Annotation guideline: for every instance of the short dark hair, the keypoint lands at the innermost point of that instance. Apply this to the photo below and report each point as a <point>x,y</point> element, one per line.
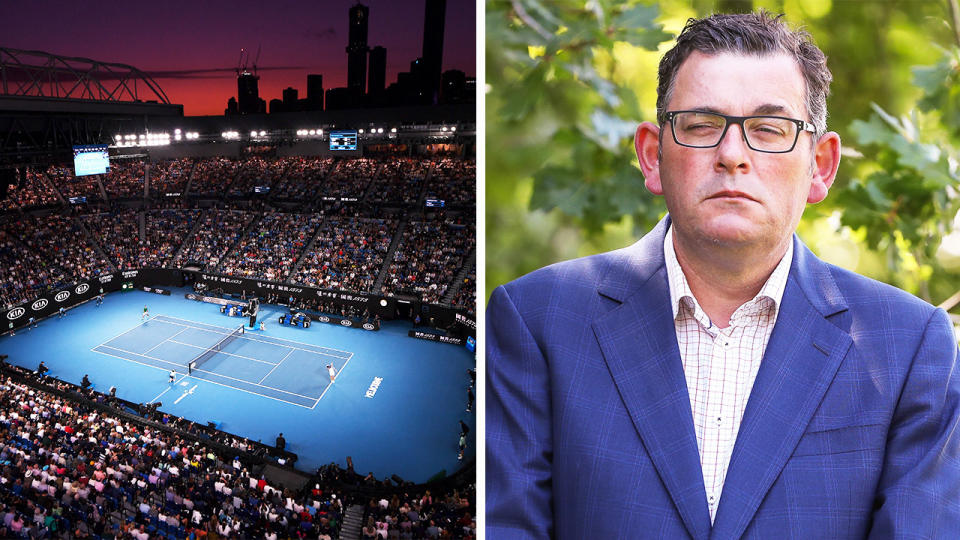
<point>759,33</point>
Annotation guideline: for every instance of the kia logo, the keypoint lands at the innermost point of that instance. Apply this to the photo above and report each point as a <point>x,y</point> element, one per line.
<point>61,296</point>
<point>16,313</point>
<point>346,322</point>
<point>82,288</point>
<point>39,304</point>
<point>324,319</point>
<point>367,326</point>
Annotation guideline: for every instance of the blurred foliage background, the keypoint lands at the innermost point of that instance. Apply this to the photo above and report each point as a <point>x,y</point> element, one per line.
<point>568,82</point>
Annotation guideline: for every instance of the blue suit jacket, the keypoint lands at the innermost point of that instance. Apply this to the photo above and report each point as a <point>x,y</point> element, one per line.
<point>850,431</point>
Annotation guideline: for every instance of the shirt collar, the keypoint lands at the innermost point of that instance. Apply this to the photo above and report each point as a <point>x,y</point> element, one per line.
<point>679,289</point>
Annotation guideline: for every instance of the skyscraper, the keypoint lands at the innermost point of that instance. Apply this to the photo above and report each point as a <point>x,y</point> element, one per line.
<point>378,71</point>
<point>248,93</point>
<point>433,21</point>
<point>314,92</point>
<point>357,50</point>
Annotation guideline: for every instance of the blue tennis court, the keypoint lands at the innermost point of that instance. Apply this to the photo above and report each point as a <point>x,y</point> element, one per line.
<point>394,407</point>
<point>288,371</point>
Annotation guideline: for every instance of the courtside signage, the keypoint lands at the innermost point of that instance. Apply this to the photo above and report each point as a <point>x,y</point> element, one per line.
<point>39,304</point>
<point>16,313</point>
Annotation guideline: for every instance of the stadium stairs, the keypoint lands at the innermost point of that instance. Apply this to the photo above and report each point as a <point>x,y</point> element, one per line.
<point>47,183</point>
<point>189,235</point>
<point>254,221</point>
<point>300,257</point>
<point>96,245</point>
<point>388,257</point>
<point>352,523</point>
<point>458,279</point>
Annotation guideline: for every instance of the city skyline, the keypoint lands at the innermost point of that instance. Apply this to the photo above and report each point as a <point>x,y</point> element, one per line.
<point>192,50</point>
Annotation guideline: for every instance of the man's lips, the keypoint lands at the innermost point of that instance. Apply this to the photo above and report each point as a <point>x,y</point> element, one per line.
<point>731,195</point>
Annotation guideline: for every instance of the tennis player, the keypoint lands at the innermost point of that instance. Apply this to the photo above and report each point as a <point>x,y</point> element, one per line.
<point>173,376</point>
<point>332,371</point>
<point>146,313</point>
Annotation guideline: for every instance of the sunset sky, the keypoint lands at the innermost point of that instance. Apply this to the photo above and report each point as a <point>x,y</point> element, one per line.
<point>193,48</point>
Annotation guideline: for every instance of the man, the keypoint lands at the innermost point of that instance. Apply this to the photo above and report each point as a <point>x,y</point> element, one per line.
<point>281,442</point>
<point>332,371</point>
<point>146,313</point>
<point>42,370</point>
<point>716,379</point>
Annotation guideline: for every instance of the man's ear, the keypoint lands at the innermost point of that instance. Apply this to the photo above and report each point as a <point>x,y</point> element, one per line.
<point>647,143</point>
<point>826,160</point>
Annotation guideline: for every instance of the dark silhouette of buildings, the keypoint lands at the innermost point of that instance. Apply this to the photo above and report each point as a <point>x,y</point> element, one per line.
<point>248,94</point>
<point>425,83</point>
<point>232,108</point>
<point>377,81</point>
<point>357,49</point>
<point>433,22</point>
<point>314,93</point>
<point>453,88</point>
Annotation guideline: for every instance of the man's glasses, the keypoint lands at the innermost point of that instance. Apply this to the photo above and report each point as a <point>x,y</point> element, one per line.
<point>772,134</point>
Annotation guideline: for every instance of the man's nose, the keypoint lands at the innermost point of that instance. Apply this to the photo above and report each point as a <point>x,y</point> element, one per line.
<point>733,154</point>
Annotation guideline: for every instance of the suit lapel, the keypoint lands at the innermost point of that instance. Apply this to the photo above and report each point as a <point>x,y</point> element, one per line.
<point>639,345</point>
<point>801,360</point>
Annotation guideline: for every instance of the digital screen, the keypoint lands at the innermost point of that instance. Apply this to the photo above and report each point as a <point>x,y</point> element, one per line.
<point>78,200</point>
<point>91,159</point>
<point>261,189</point>
<point>435,203</point>
<point>471,344</point>
<point>343,140</point>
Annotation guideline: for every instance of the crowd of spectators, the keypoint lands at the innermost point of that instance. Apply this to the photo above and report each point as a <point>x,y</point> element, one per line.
<point>38,254</point>
<point>166,231</point>
<point>70,470</point>
<point>302,179</point>
<point>400,181</point>
<point>350,179</point>
<point>71,185</point>
<point>125,179</point>
<point>454,181</point>
<point>270,248</point>
<point>348,253</point>
<point>430,254</point>
<point>213,176</point>
<point>35,192</point>
<point>466,296</point>
<point>170,176</point>
<point>118,231</point>
<point>415,516</point>
<point>257,172</point>
<point>219,230</point>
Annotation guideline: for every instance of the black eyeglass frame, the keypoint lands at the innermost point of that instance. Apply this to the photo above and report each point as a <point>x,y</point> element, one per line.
<point>739,120</point>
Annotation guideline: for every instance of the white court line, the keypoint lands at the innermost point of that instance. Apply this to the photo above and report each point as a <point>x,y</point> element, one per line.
<point>255,339</point>
<point>276,366</point>
<point>212,373</point>
<point>226,353</point>
<point>340,372</point>
<point>186,393</point>
<point>212,382</point>
<point>175,383</point>
<point>124,332</point>
<point>166,340</point>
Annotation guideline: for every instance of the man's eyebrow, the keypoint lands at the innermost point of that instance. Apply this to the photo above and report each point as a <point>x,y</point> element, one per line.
<point>765,109</point>
<point>769,108</point>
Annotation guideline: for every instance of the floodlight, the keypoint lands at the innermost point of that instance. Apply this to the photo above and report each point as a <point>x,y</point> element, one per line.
<point>379,130</point>
<point>361,131</point>
<point>393,130</point>
<point>253,133</point>
<point>177,131</point>
<point>263,133</point>
<point>454,128</point>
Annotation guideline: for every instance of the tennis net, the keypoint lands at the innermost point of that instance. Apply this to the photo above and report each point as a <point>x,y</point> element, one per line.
<point>209,353</point>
